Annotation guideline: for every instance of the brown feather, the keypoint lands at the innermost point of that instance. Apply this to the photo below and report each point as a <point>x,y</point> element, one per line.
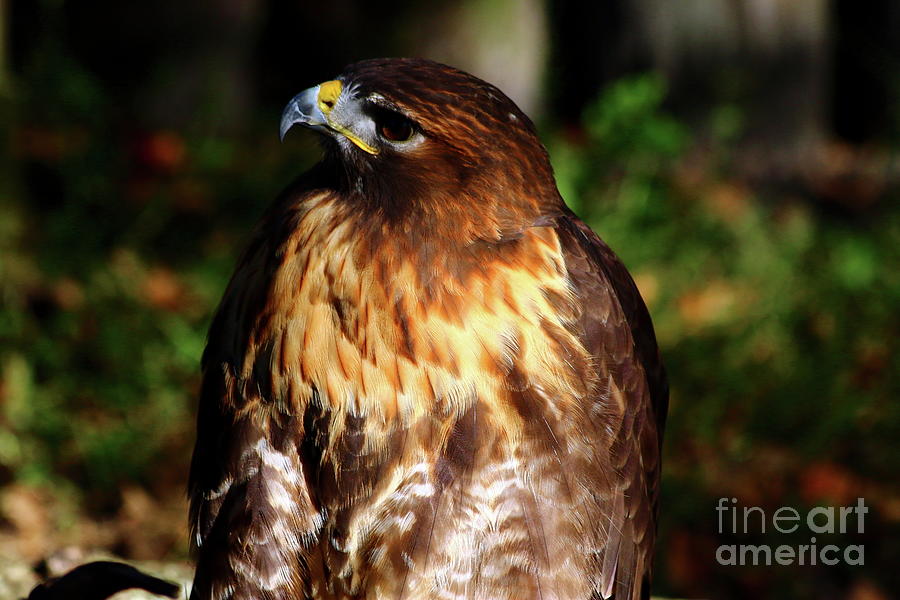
<point>428,379</point>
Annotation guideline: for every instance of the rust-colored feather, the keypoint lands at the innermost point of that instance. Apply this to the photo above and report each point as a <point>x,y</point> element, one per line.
<point>427,378</point>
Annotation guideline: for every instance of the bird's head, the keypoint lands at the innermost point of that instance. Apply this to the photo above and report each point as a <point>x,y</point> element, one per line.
<point>411,132</point>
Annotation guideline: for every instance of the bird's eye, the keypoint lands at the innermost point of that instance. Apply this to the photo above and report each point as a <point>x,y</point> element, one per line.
<point>394,127</point>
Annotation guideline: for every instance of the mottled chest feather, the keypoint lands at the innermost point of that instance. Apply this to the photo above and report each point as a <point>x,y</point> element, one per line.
<point>403,378</point>
<point>369,333</point>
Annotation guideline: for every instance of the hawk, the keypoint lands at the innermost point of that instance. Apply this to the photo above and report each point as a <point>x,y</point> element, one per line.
<point>427,377</point>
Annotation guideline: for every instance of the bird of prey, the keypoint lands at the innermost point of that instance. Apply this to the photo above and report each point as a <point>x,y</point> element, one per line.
<point>427,378</point>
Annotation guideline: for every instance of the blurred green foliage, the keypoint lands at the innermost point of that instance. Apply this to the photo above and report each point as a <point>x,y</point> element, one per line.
<point>794,311</point>
<point>778,324</point>
<point>777,319</point>
<point>115,244</point>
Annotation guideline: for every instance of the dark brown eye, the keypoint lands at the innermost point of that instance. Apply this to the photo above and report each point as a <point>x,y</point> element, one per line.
<point>394,127</point>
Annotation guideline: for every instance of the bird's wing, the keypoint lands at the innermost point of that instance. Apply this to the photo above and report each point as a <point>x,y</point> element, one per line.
<point>631,394</point>
<point>248,487</point>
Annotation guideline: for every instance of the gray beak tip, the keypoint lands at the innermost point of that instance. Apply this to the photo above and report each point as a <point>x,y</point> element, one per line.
<point>301,110</point>
<point>289,117</point>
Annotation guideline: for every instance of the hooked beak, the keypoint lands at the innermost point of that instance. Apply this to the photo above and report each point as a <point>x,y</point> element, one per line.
<point>322,108</point>
<point>303,110</point>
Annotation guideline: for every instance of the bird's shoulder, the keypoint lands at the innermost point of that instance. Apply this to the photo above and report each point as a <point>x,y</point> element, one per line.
<point>614,316</point>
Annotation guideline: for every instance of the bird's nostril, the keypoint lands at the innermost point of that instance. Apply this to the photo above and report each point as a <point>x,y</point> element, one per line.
<point>328,95</point>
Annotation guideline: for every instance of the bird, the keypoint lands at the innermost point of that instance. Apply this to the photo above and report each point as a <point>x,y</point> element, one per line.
<point>427,377</point>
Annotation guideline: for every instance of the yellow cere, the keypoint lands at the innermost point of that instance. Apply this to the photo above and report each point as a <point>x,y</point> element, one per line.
<point>328,95</point>
<point>329,92</point>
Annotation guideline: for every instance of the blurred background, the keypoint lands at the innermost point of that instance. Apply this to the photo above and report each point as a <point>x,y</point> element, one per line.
<point>740,155</point>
